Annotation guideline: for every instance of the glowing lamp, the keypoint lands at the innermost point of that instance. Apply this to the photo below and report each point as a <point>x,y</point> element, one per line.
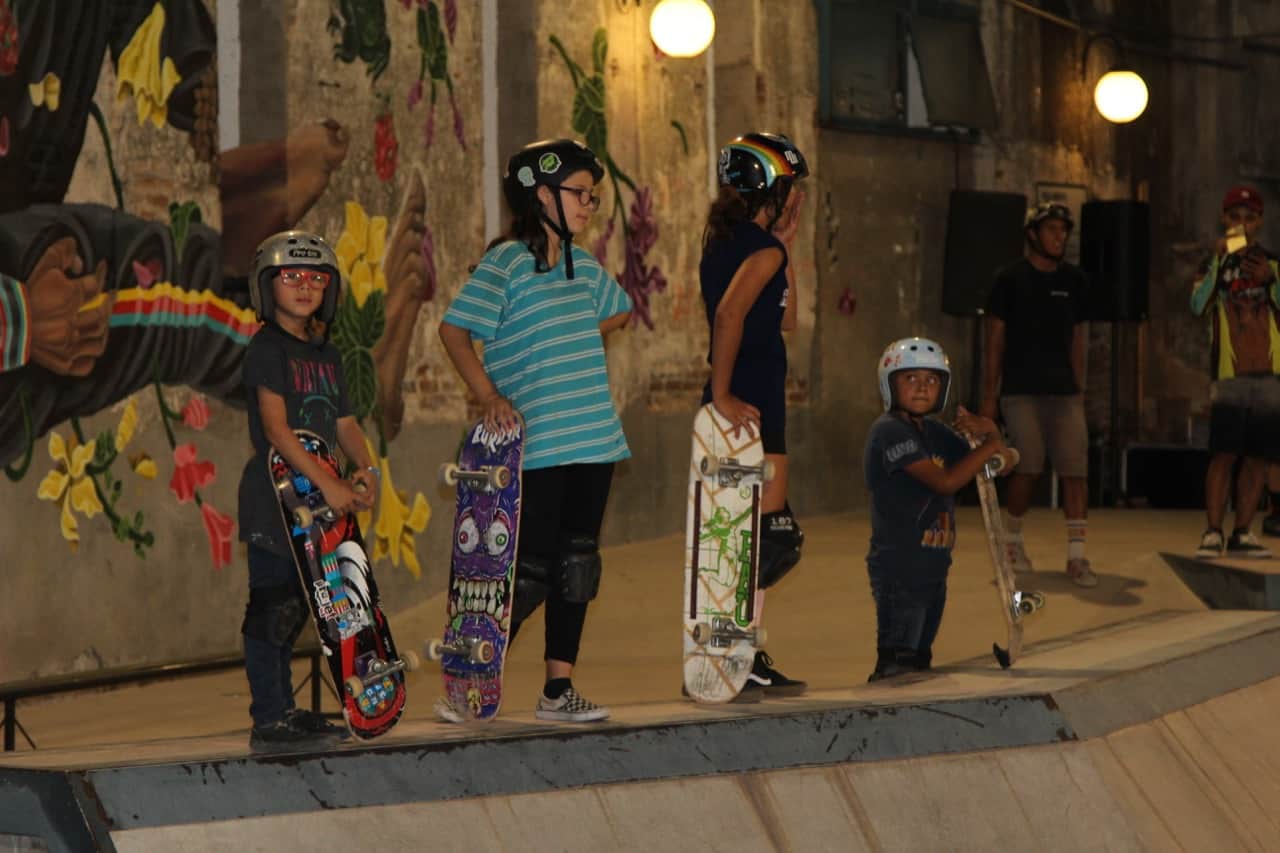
<point>1121,96</point>
<point>682,28</point>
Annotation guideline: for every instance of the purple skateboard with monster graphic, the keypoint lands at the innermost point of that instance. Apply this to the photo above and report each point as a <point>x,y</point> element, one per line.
<point>482,571</point>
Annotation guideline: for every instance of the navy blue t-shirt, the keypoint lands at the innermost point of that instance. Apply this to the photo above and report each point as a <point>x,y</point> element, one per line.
<point>309,378</point>
<point>760,372</point>
<point>912,528</point>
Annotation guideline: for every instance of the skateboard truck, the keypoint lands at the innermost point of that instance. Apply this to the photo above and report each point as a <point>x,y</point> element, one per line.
<point>305,516</point>
<point>727,471</point>
<point>1023,604</point>
<point>474,649</point>
<point>376,668</point>
<point>488,477</point>
<point>722,632</point>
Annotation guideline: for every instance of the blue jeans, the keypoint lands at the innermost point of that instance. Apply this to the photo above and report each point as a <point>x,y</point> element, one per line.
<point>273,619</point>
<point>908,612</point>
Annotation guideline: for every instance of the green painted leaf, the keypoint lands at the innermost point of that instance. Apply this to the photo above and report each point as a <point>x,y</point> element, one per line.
<point>373,319</point>
<point>434,44</point>
<point>599,49</point>
<point>362,381</point>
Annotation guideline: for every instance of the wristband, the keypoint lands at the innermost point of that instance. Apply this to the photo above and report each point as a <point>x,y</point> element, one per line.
<point>377,472</point>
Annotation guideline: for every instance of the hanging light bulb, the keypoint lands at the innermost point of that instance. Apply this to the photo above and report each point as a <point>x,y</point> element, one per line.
<point>1121,96</point>
<point>682,28</point>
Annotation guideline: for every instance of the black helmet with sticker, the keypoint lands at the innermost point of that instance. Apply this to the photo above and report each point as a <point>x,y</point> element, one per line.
<point>757,161</point>
<point>546,163</point>
<point>293,249</point>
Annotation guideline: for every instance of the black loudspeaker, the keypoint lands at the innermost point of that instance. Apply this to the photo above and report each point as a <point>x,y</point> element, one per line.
<point>1115,250</point>
<point>984,233</point>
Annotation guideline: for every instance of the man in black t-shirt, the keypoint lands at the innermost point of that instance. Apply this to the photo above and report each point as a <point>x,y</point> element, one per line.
<point>1036,336</point>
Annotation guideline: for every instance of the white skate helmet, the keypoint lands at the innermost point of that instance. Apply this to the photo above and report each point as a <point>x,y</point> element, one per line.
<point>913,354</point>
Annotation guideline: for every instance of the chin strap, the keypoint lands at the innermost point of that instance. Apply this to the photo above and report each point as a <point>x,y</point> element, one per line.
<point>565,235</point>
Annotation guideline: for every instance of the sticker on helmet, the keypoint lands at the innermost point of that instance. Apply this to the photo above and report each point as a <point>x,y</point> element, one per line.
<point>791,157</point>
<point>525,176</point>
<point>549,163</point>
<point>303,253</point>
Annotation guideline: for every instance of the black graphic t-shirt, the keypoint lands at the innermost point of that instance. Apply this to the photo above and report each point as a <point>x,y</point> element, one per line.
<point>1040,311</point>
<point>309,378</point>
<point>912,528</point>
<point>760,372</point>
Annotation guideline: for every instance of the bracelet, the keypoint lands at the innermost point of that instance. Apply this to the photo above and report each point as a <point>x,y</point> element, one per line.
<point>377,472</point>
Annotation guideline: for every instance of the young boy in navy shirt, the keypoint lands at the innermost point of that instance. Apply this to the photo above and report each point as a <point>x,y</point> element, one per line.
<point>914,465</point>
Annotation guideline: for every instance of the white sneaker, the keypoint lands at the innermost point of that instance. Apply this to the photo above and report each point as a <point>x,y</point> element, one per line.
<point>1081,573</point>
<point>1211,544</point>
<point>1016,554</point>
<point>569,708</point>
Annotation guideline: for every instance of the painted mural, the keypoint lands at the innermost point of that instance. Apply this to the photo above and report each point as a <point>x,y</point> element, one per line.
<point>103,306</point>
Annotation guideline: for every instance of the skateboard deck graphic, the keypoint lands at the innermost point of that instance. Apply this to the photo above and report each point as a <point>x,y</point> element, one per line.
<point>486,526</point>
<point>722,547</point>
<point>342,596</point>
<point>1014,604</point>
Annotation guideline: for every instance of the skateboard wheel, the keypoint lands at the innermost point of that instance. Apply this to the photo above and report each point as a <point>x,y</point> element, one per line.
<point>702,633</point>
<point>433,650</point>
<point>302,517</point>
<point>482,652</point>
<point>759,638</point>
<point>1026,607</point>
<point>709,466</point>
<point>354,686</point>
<point>767,470</point>
<point>499,477</point>
<point>1037,598</point>
<point>449,474</point>
<point>410,660</point>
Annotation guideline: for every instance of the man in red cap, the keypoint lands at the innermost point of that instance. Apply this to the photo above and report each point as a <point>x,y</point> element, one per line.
<point>1238,291</point>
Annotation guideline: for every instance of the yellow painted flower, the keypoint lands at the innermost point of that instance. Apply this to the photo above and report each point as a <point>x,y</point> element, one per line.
<point>68,486</point>
<point>145,74</point>
<point>47,92</point>
<point>360,252</point>
<point>398,523</point>
<point>128,424</point>
<point>143,465</point>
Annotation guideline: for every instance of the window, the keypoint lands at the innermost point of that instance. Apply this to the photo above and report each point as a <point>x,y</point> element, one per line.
<point>903,65</point>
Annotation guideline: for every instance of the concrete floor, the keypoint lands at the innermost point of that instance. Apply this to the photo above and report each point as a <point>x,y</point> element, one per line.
<point>820,619</point>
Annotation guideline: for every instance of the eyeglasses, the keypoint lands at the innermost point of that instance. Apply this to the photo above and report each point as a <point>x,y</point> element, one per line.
<point>586,198</point>
<point>313,278</point>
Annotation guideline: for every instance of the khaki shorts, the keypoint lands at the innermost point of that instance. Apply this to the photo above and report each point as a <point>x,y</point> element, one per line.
<point>1052,422</point>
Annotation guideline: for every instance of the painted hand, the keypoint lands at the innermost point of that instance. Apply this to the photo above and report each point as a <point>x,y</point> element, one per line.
<point>69,313</point>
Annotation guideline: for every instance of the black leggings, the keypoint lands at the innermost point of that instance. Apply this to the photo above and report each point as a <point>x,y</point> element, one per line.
<point>555,503</point>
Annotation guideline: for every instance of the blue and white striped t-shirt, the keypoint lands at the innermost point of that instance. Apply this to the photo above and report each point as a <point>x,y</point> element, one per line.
<point>543,350</point>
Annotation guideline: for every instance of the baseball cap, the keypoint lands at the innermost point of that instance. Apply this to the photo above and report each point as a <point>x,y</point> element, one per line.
<point>1241,195</point>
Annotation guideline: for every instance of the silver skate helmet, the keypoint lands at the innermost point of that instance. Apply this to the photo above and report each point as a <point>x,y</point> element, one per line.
<point>913,354</point>
<point>293,249</point>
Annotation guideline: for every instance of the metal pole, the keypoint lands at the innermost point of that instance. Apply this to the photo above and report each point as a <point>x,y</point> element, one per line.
<point>315,681</point>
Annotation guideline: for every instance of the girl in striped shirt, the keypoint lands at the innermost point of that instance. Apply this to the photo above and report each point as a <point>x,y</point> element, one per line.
<point>541,306</point>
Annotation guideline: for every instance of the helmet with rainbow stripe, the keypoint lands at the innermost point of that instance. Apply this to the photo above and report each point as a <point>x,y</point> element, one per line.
<point>760,166</point>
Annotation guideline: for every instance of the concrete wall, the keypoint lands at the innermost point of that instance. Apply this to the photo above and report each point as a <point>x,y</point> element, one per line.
<point>875,223</point>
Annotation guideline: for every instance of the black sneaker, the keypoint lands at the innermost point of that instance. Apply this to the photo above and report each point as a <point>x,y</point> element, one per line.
<point>318,724</point>
<point>283,736</point>
<point>1245,545</point>
<point>773,682</point>
<point>749,695</point>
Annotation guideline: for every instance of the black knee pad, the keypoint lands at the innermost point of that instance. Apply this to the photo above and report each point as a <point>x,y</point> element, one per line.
<point>533,580</point>
<point>780,543</point>
<point>580,568</point>
<point>275,614</point>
